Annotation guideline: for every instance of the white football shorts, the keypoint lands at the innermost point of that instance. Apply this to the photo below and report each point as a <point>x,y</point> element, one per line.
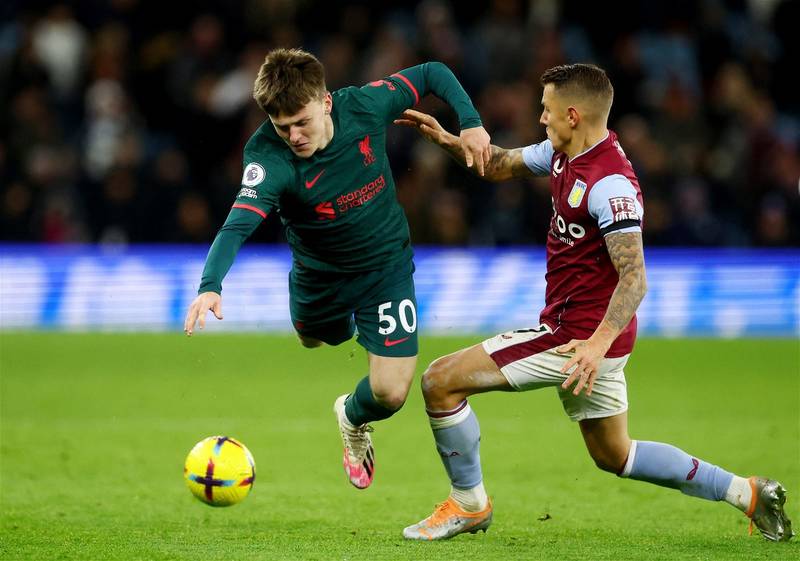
<point>528,360</point>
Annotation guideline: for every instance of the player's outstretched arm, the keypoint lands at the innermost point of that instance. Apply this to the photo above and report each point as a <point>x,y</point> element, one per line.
<point>198,309</point>
<point>501,164</point>
<point>627,256</point>
<point>237,228</point>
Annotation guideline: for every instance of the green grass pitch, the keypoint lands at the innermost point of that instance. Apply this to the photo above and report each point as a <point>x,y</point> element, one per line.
<point>95,428</point>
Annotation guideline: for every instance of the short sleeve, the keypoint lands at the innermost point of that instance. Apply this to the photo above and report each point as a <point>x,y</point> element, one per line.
<point>614,203</point>
<point>539,157</point>
<point>262,184</point>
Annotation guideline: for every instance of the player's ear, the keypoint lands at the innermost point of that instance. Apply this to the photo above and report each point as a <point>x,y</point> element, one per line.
<point>327,103</point>
<point>573,116</point>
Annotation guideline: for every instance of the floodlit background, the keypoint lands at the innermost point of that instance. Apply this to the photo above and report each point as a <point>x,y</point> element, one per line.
<point>123,122</point>
<point>121,129</point>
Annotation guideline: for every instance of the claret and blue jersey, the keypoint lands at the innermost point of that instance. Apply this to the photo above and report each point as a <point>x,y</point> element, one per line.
<point>594,194</point>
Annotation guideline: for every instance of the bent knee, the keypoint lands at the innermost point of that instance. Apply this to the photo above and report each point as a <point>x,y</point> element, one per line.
<point>391,398</point>
<point>309,342</point>
<point>612,461</point>
<point>606,465</point>
<point>435,378</point>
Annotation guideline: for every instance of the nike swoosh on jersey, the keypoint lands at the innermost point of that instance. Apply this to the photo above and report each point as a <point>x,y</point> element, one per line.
<point>389,343</point>
<point>310,184</point>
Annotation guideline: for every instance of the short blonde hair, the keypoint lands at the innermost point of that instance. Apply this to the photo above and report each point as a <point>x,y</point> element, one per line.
<point>288,80</point>
<point>584,80</point>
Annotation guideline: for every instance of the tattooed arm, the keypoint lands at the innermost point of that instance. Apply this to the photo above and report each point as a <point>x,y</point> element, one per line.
<point>502,166</point>
<point>627,256</point>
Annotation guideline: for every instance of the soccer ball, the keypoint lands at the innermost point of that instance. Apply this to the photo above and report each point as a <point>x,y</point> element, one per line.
<point>220,471</point>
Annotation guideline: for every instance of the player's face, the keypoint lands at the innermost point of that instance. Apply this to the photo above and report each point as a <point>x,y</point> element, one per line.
<point>555,118</point>
<point>305,131</point>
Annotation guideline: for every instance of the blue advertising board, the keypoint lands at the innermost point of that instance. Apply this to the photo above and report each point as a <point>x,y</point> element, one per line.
<point>714,293</point>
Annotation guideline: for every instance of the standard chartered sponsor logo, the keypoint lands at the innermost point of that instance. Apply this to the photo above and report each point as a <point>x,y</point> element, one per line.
<point>361,195</point>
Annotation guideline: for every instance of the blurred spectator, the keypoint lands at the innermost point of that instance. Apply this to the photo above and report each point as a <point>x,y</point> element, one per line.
<point>124,120</point>
<point>60,44</point>
<point>194,219</point>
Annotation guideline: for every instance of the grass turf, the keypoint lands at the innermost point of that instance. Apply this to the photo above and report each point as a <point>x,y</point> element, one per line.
<point>94,430</point>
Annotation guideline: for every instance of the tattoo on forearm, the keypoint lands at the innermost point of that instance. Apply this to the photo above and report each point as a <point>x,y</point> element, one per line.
<point>503,165</point>
<point>627,257</point>
<point>506,164</point>
<point>457,152</point>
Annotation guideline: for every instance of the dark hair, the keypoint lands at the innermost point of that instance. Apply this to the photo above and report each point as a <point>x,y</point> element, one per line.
<point>584,80</point>
<point>288,80</point>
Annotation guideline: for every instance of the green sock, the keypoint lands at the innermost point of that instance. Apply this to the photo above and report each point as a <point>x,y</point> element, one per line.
<point>361,406</point>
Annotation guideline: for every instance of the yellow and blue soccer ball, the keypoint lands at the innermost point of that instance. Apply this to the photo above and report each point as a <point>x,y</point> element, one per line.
<point>220,471</point>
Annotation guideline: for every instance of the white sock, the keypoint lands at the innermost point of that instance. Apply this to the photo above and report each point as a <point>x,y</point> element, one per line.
<point>739,494</point>
<point>471,500</point>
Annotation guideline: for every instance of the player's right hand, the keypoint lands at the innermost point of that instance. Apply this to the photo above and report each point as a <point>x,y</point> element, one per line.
<point>477,148</point>
<point>198,309</point>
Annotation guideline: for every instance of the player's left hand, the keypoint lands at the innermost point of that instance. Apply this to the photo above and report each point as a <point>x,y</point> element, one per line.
<point>586,363</point>
<point>427,125</point>
<point>477,148</point>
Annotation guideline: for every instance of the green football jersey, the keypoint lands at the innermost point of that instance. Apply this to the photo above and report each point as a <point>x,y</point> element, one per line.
<point>338,206</point>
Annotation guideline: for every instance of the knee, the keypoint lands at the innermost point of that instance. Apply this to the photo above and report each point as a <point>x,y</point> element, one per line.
<point>606,464</point>
<point>309,342</point>
<point>435,379</point>
<point>611,459</point>
<point>392,397</point>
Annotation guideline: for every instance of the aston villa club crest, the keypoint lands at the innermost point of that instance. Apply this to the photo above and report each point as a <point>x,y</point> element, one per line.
<point>577,193</point>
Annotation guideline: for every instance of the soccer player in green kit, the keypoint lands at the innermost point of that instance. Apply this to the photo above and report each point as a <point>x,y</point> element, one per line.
<point>320,162</point>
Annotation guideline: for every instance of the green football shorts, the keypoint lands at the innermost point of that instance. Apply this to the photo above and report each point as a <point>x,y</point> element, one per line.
<point>380,304</point>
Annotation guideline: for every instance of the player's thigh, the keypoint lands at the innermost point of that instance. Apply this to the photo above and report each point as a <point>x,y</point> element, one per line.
<point>526,357</point>
<point>529,360</point>
<point>309,342</point>
<point>316,313</point>
<point>386,316</point>
<point>390,377</point>
<point>609,396</point>
<point>332,332</point>
<point>463,373</point>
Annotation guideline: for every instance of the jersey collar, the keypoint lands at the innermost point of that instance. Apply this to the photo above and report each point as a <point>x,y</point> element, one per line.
<point>590,148</point>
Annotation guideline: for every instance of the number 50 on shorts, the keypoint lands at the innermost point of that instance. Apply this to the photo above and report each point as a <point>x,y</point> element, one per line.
<point>389,316</point>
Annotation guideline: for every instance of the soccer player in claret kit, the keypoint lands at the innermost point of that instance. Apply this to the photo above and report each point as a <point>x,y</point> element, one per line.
<point>595,282</point>
<point>319,162</point>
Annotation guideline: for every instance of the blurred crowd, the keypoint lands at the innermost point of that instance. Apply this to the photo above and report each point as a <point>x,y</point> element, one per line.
<point>123,121</point>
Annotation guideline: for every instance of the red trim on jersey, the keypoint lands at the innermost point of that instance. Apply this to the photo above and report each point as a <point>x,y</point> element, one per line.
<point>249,207</point>
<point>513,353</point>
<point>410,85</point>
